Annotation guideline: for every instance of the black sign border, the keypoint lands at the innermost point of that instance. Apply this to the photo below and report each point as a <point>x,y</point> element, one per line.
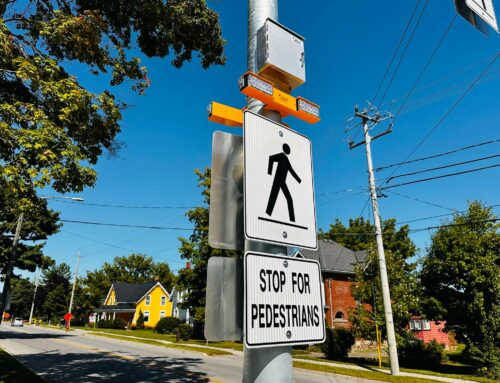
<point>290,343</point>
<point>245,187</point>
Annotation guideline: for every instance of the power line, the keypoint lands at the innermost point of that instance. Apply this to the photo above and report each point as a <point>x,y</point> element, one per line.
<point>101,242</point>
<point>441,176</point>
<point>125,225</point>
<point>437,216</point>
<point>340,191</point>
<point>404,52</point>
<point>422,201</point>
<point>396,51</point>
<point>437,155</point>
<point>389,179</point>
<point>426,66</point>
<point>455,224</point>
<point>126,206</point>
<point>447,113</point>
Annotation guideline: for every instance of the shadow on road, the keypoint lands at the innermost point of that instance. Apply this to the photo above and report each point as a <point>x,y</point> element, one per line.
<point>6,334</point>
<point>82,367</point>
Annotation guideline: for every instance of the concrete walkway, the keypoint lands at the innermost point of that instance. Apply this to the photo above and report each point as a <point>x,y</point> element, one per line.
<point>325,363</point>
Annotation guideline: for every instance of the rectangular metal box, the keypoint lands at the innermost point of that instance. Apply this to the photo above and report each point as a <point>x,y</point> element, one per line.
<point>280,56</point>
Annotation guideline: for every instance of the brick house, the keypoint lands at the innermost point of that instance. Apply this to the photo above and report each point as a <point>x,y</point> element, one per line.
<point>337,269</point>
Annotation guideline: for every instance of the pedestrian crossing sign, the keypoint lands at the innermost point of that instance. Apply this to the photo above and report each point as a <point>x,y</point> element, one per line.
<point>278,183</point>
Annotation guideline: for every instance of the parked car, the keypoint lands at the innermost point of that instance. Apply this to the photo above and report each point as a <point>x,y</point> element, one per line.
<point>17,322</point>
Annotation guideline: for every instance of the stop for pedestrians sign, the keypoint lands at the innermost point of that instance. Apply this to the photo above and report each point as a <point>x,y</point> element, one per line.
<point>279,187</point>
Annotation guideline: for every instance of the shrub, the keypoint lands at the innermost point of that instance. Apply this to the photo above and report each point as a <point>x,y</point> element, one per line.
<point>167,325</point>
<point>117,323</point>
<point>139,324</point>
<point>338,343</point>
<point>184,331</point>
<point>414,353</point>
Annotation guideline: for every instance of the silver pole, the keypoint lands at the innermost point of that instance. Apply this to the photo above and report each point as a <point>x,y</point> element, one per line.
<point>33,303</point>
<point>271,364</point>
<point>391,338</point>
<point>10,266</point>
<point>74,282</point>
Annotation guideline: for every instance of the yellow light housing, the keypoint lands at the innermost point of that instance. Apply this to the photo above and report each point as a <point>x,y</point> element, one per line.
<point>263,90</point>
<point>224,114</point>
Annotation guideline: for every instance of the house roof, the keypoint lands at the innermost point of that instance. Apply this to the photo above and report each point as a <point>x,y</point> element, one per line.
<point>333,257</point>
<point>120,307</point>
<point>131,292</point>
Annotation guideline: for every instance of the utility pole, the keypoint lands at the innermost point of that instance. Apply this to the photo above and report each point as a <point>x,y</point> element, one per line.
<point>74,286</point>
<point>10,265</point>
<point>33,303</point>
<point>270,364</point>
<point>371,118</point>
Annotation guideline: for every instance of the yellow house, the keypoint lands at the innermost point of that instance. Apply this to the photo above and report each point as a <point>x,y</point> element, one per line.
<point>126,300</point>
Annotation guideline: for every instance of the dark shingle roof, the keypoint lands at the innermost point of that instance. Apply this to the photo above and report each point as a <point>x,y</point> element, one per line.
<point>120,307</point>
<point>334,257</point>
<point>131,292</point>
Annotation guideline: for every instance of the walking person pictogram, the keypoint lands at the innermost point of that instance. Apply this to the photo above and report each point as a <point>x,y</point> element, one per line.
<point>283,168</point>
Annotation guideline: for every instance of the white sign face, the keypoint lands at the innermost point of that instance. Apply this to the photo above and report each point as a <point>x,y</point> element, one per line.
<point>484,9</point>
<point>283,301</point>
<point>279,187</point>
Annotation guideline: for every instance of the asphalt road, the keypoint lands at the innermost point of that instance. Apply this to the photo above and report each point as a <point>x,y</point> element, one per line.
<point>58,356</point>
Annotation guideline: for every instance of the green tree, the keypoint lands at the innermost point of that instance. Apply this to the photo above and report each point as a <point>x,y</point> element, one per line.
<point>53,129</point>
<point>196,250</point>
<point>55,292</point>
<point>403,279</point>
<point>22,297</point>
<point>133,268</point>
<point>461,279</point>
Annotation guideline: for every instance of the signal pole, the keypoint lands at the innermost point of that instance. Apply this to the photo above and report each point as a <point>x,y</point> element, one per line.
<point>270,364</point>
<point>370,118</point>
<point>33,303</point>
<point>10,265</point>
<point>74,285</point>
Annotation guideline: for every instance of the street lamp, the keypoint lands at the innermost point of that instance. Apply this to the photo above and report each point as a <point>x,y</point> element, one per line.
<point>76,199</point>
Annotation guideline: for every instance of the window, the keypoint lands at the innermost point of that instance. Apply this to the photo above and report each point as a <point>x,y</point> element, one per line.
<point>426,325</point>
<point>146,316</point>
<point>339,315</point>
<point>176,313</point>
<point>418,325</point>
<point>163,300</point>
<point>162,314</point>
<point>148,300</point>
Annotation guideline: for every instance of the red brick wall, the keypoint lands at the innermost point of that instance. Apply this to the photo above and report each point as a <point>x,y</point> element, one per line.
<point>339,299</point>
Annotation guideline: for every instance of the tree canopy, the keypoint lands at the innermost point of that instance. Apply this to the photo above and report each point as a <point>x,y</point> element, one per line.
<point>134,268</point>
<point>52,129</point>
<point>461,280</point>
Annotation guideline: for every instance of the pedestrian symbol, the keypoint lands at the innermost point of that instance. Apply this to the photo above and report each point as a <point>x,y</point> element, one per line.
<point>279,193</point>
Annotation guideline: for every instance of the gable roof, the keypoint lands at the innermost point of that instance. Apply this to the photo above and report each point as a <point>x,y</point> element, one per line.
<point>131,292</point>
<point>333,257</point>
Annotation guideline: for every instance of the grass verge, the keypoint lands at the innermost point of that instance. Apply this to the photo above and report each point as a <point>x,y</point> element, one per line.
<point>12,370</point>
<point>208,351</point>
<point>373,375</point>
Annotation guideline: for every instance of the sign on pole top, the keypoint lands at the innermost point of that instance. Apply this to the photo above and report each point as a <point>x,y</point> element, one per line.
<point>484,9</point>
<point>283,301</point>
<point>279,187</point>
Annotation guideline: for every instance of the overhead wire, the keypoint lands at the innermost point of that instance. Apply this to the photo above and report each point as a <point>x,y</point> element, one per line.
<point>404,52</point>
<point>437,155</point>
<point>389,179</point>
<point>426,66</point>
<point>125,206</point>
<point>441,176</point>
<point>447,113</point>
<point>396,51</point>
<point>126,225</point>
<point>437,216</point>
<point>421,201</point>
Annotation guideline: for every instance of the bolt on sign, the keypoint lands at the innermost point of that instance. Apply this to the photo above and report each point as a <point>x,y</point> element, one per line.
<point>283,301</point>
<point>279,187</point>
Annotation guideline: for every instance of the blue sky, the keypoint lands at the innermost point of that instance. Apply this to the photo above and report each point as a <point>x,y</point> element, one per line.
<point>348,45</point>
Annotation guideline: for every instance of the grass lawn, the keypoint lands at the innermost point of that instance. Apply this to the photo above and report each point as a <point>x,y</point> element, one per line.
<point>207,351</point>
<point>13,371</point>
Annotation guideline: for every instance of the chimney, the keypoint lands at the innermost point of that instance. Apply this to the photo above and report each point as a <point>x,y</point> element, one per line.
<point>188,265</point>
<point>157,278</point>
